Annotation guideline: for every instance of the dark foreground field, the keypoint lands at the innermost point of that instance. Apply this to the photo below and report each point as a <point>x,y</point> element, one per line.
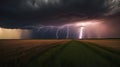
<point>60,53</point>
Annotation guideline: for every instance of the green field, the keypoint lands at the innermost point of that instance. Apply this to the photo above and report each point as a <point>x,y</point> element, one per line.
<point>60,53</point>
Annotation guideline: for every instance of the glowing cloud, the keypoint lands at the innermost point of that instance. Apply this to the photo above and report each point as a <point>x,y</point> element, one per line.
<point>14,33</point>
<point>83,25</point>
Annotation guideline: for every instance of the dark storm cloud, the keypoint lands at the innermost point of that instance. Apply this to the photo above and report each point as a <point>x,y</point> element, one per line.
<point>21,13</point>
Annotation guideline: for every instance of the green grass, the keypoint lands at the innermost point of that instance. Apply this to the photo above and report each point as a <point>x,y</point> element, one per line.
<point>73,53</point>
<point>76,54</point>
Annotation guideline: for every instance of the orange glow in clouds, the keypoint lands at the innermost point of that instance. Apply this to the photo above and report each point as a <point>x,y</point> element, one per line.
<point>13,33</point>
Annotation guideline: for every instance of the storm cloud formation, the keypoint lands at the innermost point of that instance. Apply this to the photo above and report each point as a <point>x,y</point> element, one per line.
<point>21,13</point>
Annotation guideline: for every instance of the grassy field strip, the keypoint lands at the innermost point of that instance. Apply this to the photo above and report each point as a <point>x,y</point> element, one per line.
<point>78,55</point>
<point>42,59</point>
<point>73,54</point>
<point>54,53</point>
<point>105,53</point>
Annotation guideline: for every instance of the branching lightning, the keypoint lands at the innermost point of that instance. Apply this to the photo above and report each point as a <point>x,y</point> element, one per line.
<point>59,29</point>
<point>68,29</point>
<point>57,32</point>
<point>81,32</point>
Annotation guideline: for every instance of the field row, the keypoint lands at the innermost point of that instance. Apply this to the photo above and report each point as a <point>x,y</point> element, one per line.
<point>59,53</point>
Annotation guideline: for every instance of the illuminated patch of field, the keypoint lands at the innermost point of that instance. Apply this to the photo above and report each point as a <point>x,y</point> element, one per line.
<point>110,43</point>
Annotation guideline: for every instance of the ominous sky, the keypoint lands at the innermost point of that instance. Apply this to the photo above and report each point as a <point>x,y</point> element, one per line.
<point>31,14</point>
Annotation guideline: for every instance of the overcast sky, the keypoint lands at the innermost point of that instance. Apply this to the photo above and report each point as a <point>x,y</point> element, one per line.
<point>30,14</point>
